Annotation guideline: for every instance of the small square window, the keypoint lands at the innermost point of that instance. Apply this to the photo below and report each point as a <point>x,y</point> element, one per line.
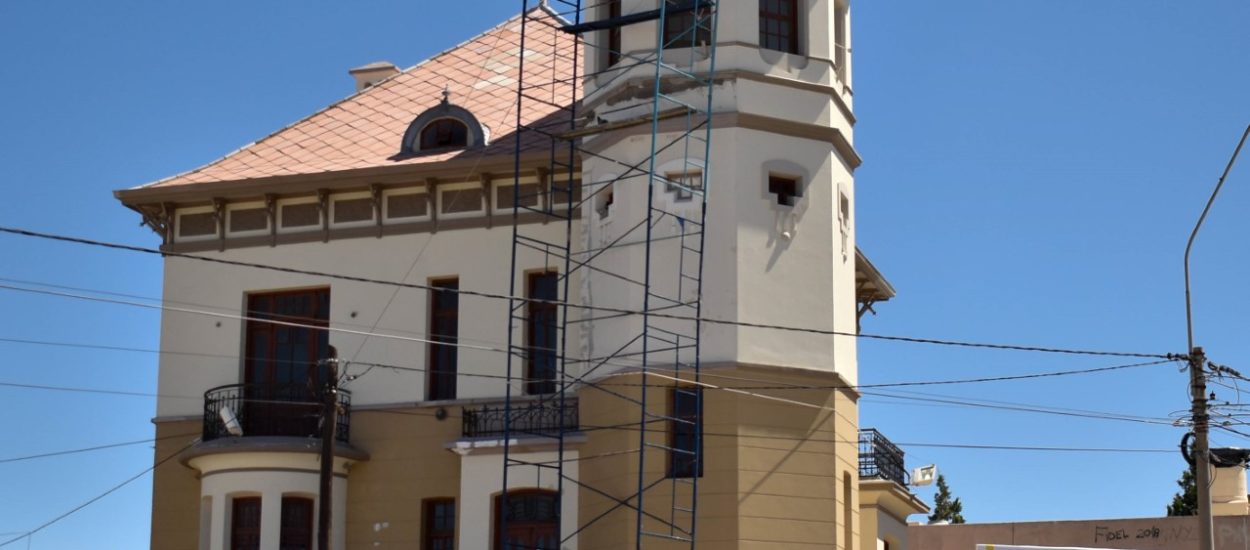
<point>603,202</point>
<point>787,189</point>
<point>683,186</point>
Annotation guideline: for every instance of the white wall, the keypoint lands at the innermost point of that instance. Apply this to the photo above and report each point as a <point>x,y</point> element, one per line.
<point>752,273</point>
<point>269,476</point>
<point>480,257</point>
<point>481,479</point>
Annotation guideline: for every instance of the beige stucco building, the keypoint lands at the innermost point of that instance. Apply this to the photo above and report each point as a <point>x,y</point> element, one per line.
<point>410,180</point>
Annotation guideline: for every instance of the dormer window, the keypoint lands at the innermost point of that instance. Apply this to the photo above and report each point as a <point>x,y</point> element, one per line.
<point>444,133</point>
<point>444,127</point>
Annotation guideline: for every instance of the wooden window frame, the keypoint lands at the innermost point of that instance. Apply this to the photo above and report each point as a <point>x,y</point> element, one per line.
<point>498,511</point>
<point>676,26</point>
<point>430,534</point>
<point>441,379</point>
<point>789,41</point>
<point>533,384</point>
<point>612,41</point>
<point>246,535</point>
<point>303,538</point>
<point>676,427</point>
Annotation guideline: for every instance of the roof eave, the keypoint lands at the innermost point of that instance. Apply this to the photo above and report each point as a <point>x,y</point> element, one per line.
<point>454,169</point>
<point>881,288</point>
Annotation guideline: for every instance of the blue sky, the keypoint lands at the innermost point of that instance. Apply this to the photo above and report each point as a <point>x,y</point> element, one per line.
<point>1031,173</point>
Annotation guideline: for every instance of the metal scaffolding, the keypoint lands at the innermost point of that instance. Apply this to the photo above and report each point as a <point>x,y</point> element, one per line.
<point>654,256</point>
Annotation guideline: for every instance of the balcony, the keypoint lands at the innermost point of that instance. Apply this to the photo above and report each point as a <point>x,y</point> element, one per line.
<point>542,417</point>
<point>880,459</point>
<point>272,410</point>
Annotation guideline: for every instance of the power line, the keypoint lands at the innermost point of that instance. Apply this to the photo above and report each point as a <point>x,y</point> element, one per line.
<point>600,383</point>
<point>632,426</point>
<point>89,449</point>
<point>622,311</point>
<point>96,498</point>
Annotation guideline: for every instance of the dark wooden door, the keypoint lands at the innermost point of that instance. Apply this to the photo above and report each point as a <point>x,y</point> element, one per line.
<point>282,371</point>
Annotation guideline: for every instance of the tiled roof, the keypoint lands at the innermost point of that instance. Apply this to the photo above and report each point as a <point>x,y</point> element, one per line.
<point>365,130</point>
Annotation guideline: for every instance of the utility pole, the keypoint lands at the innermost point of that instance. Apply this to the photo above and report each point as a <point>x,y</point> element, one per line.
<point>1198,380</point>
<point>329,419</point>
<point>1202,454</point>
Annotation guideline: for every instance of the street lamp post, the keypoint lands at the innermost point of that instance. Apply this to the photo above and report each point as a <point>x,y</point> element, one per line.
<point>1198,381</point>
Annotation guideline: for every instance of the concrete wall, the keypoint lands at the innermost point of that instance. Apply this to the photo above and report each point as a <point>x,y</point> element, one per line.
<point>1169,533</point>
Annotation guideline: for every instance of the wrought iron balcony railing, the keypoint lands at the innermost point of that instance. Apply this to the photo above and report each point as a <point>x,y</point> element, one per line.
<point>880,459</point>
<point>272,410</point>
<point>533,418</point>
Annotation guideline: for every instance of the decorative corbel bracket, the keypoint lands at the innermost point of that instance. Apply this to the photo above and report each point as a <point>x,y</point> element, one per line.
<point>375,192</point>
<point>219,216</point>
<point>323,205</point>
<point>431,196</point>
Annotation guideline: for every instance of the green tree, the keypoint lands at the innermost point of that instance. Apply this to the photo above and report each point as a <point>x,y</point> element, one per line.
<point>1185,503</point>
<point>945,508</point>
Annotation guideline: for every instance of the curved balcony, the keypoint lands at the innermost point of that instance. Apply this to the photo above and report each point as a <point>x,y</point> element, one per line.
<point>291,410</point>
<point>880,458</point>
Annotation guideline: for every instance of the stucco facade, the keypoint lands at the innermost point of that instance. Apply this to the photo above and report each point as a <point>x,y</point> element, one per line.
<point>780,466</point>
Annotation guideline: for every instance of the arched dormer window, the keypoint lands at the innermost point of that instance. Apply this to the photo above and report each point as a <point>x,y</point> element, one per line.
<point>444,132</point>
<point>443,127</point>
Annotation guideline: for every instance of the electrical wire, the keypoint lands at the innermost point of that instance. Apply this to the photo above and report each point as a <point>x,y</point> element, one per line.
<point>632,426</point>
<point>622,311</point>
<point>97,498</point>
<point>403,368</point>
<point>95,448</point>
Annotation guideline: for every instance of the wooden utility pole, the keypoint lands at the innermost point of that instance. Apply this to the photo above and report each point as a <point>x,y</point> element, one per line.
<point>329,419</point>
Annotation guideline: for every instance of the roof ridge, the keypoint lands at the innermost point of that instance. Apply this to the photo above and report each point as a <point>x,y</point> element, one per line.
<point>542,6</point>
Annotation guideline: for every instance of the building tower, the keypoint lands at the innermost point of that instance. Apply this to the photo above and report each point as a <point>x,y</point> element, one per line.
<point>779,249</point>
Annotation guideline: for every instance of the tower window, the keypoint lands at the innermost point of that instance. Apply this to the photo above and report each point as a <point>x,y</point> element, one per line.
<point>786,188</point>
<point>444,133</point>
<point>684,186</point>
<point>691,27</point>
<point>685,432</point>
<point>779,25</point>
<point>613,45</point>
<point>604,201</point>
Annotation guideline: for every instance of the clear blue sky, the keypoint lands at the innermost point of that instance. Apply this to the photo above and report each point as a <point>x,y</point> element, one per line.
<point>1031,173</point>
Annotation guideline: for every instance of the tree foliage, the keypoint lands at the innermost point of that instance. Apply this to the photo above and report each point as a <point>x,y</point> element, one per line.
<point>1185,503</point>
<point>944,507</point>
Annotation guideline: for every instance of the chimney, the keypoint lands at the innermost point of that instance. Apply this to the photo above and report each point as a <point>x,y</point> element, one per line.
<point>1228,489</point>
<point>373,73</point>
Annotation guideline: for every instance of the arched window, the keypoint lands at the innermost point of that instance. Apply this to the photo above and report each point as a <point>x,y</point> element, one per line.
<point>444,133</point>
<point>442,127</point>
<point>533,520</point>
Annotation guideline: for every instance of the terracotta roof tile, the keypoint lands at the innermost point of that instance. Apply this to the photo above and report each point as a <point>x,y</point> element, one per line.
<point>365,129</point>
